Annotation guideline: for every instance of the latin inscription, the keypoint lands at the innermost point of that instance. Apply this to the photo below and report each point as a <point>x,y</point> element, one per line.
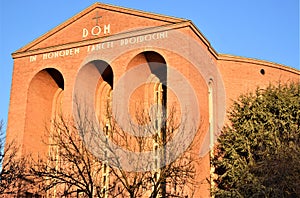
<point>144,38</point>
<point>96,31</point>
<point>101,46</point>
<point>32,58</point>
<point>62,53</point>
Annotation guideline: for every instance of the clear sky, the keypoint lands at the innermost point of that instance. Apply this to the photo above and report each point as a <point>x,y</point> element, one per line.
<point>261,29</point>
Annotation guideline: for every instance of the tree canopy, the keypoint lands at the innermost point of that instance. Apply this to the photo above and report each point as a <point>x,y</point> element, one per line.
<point>258,152</point>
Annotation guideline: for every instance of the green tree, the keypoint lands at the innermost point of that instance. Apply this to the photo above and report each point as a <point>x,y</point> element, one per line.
<point>258,153</point>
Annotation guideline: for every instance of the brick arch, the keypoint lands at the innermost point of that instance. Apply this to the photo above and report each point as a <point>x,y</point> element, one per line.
<point>103,94</point>
<point>45,89</point>
<point>93,86</point>
<point>154,66</point>
<point>156,63</point>
<point>152,96</point>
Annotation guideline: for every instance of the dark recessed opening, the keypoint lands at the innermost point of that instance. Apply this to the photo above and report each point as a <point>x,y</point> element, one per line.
<point>262,72</point>
<point>56,75</point>
<point>105,70</point>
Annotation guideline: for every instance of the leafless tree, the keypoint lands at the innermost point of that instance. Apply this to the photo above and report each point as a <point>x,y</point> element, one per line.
<point>69,169</point>
<point>13,174</point>
<point>87,158</point>
<point>155,176</point>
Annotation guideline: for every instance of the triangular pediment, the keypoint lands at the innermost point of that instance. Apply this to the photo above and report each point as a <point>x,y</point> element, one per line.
<point>99,20</point>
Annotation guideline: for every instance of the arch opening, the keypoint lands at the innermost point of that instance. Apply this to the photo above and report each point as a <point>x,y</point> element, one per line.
<point>105,84</point>
<point>41,105</point>
<point>154,68</point>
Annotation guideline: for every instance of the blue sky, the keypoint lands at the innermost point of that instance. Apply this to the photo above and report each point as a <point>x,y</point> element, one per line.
<point>261,29</point>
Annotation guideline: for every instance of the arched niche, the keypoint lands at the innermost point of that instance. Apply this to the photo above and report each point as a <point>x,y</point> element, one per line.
<point>93,90</point>
<point>103,94</point>
<point>44,98</point>
<point>154,67</point>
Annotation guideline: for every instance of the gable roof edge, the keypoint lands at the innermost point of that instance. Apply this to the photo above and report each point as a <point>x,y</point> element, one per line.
<point>203,39</point>
<point>91,8</point>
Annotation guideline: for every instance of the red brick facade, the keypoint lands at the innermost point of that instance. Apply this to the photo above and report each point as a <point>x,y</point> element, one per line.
<point>49,68</point>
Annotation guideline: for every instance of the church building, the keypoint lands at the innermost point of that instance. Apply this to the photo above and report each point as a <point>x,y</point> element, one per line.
<point>125,60</point>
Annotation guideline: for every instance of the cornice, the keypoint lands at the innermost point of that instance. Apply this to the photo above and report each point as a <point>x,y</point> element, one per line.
<point>232,58</point>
